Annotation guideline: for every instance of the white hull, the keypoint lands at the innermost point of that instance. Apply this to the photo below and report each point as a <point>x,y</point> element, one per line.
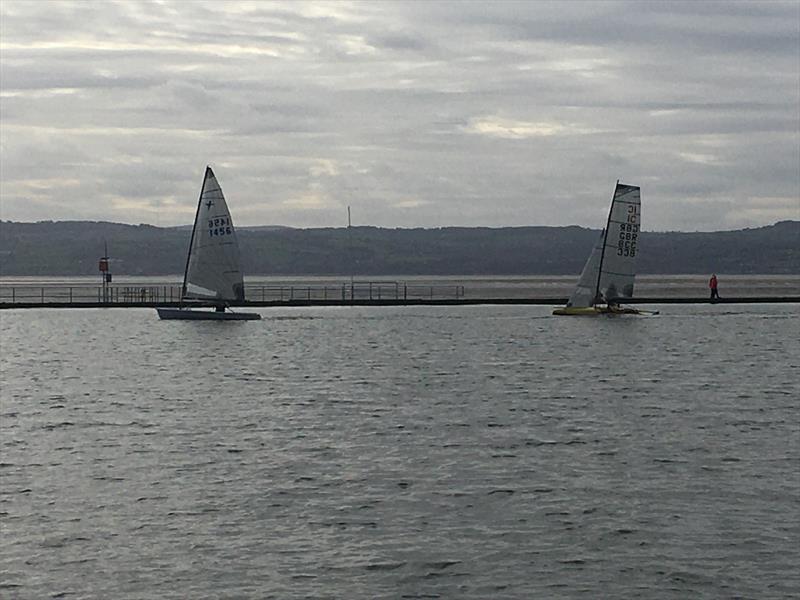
<point>188,314</point>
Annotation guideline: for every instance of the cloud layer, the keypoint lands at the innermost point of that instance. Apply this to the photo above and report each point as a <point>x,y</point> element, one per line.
<point>415,114</point>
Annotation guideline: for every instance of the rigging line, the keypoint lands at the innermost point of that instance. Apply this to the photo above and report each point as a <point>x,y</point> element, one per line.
<point>605,241</point>
<point>194,227</point>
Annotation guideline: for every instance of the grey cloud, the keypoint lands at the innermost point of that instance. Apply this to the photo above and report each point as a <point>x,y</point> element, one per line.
<point>21,78</point>
<point>766,26</point>
<point>413,113</point>
<point>401,41</point>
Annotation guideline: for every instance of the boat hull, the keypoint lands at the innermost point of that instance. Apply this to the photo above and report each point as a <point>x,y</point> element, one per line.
<point>188,314</point>
<point>570,311</point>
<point>593,311</point>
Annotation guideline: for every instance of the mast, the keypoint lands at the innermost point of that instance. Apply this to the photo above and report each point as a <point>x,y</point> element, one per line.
<point>194,227</point>
<point>603,249</point>
<point>104,273</point>
<point>350,251</point>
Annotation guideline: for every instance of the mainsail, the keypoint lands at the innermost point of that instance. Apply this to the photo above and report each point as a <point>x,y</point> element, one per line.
<point>609,273</point>
<point>618,259</point>
<point>212,267</point>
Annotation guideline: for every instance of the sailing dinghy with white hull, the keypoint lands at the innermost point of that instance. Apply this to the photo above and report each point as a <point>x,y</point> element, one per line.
<point>607,278</point>
<point>213,275</point>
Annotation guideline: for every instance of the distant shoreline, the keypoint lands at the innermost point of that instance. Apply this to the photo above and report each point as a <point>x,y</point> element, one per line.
<point>59,249</point>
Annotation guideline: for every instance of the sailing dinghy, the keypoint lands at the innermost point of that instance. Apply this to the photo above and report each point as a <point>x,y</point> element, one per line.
<point>607,278</point>
<point>213,275</point>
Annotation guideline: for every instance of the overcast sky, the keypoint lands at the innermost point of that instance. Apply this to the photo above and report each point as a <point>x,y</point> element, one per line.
<point>417,114</point>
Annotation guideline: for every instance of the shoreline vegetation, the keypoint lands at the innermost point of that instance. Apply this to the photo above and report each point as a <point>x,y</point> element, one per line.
<point>72,248</point>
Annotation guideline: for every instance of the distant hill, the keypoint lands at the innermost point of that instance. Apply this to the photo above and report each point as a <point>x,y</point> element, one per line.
<point>73,247</point>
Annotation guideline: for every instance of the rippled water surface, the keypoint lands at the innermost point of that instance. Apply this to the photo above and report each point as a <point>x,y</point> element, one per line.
<point>429,452</point>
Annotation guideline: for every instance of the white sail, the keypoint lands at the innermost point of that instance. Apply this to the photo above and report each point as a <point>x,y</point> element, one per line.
<point>212,267</point>
<point>584,294</point>
<point>618,258</point>
<point>610,271</point>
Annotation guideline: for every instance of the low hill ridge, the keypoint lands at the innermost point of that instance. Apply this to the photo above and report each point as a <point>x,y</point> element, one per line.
<point>72,248</point>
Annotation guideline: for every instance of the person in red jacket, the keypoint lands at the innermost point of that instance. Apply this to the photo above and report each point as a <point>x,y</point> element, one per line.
<point>713,285</point>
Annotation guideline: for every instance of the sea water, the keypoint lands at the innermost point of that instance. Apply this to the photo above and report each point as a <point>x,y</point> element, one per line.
<point>420,452</point>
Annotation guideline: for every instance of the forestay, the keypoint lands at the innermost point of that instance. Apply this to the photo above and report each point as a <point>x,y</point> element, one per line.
<point>212,268</point>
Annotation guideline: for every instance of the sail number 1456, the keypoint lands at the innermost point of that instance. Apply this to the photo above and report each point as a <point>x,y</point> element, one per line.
<point>219,227</point>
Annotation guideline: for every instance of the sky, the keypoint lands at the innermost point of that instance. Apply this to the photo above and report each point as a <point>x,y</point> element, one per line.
<point>415,114</point>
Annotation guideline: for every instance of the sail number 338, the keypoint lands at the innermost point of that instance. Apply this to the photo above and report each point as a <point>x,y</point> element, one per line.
<point>629,233</point>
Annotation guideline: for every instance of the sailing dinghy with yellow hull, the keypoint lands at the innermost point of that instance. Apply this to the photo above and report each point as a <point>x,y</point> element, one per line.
<point>608,275</point>
<point>213,276</point>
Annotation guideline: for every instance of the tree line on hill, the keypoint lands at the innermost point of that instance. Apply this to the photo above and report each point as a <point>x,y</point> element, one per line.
<point>69,248</point>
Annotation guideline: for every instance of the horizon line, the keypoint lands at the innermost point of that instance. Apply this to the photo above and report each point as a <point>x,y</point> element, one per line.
<point>244,227</point>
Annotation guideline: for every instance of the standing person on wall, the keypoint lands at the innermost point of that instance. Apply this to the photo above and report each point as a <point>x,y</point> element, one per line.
<point>713,285</point>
